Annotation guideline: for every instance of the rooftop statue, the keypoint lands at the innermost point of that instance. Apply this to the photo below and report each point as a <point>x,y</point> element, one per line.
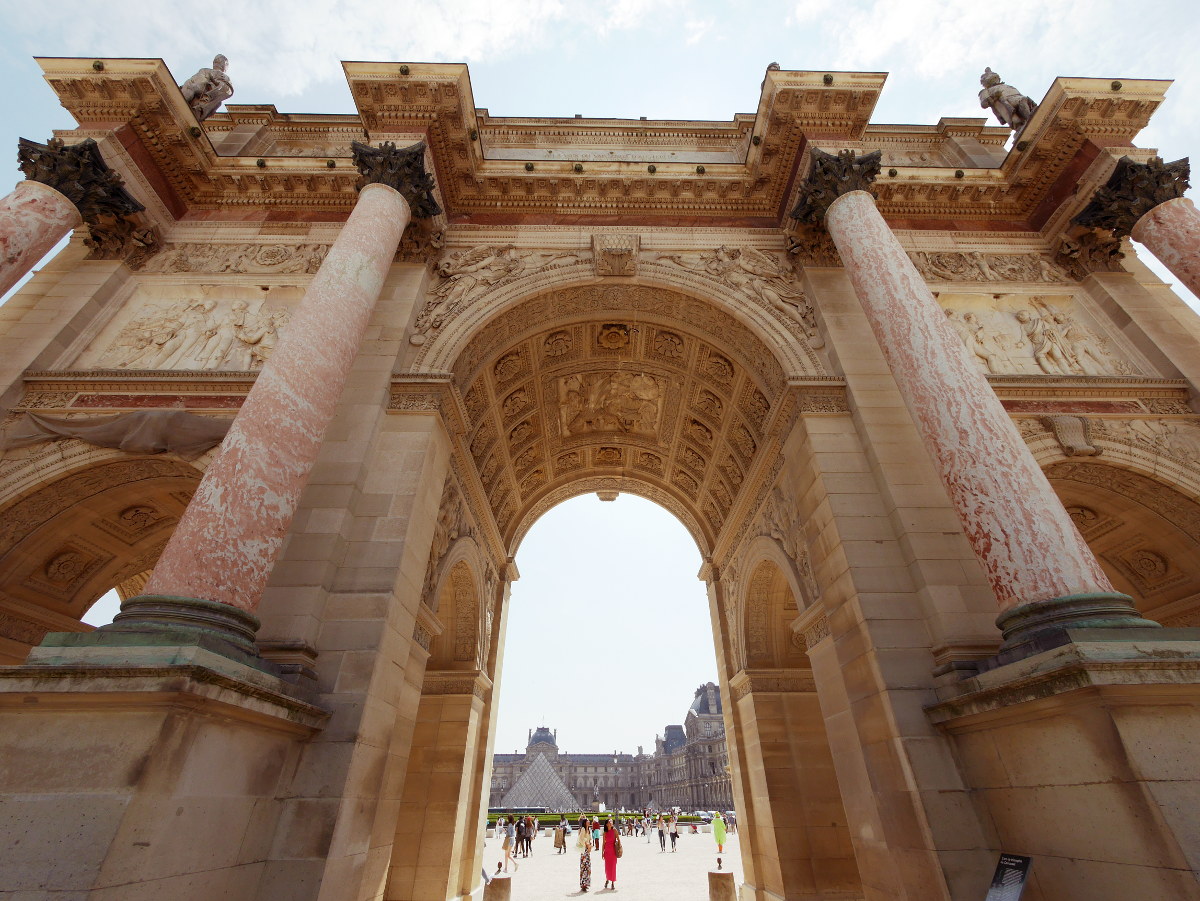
<point>208,88</point>
<point>1011,107</point>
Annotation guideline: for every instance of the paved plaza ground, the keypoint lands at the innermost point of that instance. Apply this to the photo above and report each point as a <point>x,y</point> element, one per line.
<point>643,873</point>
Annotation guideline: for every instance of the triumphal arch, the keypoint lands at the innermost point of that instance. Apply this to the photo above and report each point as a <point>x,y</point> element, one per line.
<point>299,384</point>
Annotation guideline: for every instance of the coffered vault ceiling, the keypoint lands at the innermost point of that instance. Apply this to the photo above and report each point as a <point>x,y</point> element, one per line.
<point>622,392</point>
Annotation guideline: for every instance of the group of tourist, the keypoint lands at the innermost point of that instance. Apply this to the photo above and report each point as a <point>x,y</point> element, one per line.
<point>517,835</point>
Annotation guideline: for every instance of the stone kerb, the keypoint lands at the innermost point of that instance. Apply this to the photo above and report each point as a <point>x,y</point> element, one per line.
<point>442,348</point>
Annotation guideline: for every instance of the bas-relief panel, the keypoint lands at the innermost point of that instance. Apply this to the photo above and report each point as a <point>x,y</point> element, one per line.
<point>193,328</point>
<point>1012,334</point>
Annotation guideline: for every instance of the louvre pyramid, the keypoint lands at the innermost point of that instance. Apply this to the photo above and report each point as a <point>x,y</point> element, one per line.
<point>540,786</point>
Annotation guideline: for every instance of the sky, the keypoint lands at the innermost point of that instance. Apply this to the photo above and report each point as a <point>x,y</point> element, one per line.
<point>613,585</point>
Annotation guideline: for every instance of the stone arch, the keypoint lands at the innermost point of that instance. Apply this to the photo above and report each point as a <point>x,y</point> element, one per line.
<point>770,605</point>
<point>460,610</point>
<point>94,519</point>
<point>1138,508</point>
<point>617,387</point>
<point>438,348</point>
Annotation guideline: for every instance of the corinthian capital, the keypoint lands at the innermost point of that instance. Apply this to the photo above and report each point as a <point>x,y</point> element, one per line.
<point>400,168</point>
<point>832,175</point>
<point>79,173</point>
<point>1134,190</point>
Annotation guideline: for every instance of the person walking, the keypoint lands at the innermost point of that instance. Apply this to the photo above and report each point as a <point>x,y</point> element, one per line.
<point>520,846</point>
<point>673,824</point>
<point>596,832</point>
<point>531,827</point>
<point>510,840</point>
<point>661,825</point>
<point>584,844</point>
<point>560,837</point>
<point>612,850</point>
<point>718,825</point>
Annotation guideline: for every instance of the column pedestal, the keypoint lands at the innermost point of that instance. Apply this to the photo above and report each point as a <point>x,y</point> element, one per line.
<point>33,218</point>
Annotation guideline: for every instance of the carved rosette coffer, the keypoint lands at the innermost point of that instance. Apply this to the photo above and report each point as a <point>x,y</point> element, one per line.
<point>79,173</point>
<point>402,168</point>
<point>1134,190</point>
<point>832,175</point>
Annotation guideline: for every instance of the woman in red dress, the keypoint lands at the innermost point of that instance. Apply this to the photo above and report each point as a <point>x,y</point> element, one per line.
<point>612,841</point>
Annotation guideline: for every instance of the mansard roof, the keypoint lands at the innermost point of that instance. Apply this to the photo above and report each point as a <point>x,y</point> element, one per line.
<point>254,162</point>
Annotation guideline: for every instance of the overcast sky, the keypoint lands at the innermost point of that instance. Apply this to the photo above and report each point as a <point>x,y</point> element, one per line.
<point>613,586</point>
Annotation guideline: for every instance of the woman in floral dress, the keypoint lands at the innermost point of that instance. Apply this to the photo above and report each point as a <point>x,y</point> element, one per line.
<point>584,844</point>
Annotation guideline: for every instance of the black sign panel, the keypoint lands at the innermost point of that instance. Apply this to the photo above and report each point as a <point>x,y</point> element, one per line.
<point>1009,881</point>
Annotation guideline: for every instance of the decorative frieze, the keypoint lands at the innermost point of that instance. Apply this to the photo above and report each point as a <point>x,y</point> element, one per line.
<point>993,268</point>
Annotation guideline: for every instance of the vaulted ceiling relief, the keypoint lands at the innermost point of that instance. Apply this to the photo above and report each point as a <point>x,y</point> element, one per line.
<point>616,394</point>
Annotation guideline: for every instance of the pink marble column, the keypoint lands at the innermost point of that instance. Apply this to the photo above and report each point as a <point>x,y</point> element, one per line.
<point>1029,547</point>
<point>33,218</point>
<point>229,537</point>
<point>1171,231</point>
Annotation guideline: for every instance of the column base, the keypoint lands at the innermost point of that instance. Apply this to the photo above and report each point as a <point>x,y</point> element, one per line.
<point>161,621</point>
<point>1041,626</point>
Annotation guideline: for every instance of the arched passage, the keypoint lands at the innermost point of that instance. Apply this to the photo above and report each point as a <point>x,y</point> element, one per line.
<point>1145,533</point>
<point>81,529</point>
<point>641,388</point>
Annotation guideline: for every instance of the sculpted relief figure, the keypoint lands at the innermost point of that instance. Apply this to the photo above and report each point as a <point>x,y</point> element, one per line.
<point>1011,107</point>
<point>208,89</point>
<point>975,339</point>
<point>609,402</point>
<point>1044,338</point>
<point>755,274</point>
<point>468,274</point>
<point>194,335</point>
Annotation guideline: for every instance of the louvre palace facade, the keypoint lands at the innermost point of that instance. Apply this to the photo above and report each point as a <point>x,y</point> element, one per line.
<point>688,769</point>
<point>299,384</point>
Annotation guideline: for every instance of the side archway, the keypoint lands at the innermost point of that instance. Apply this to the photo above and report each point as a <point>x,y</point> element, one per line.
<point>84,527</point>
<point>798,838</point>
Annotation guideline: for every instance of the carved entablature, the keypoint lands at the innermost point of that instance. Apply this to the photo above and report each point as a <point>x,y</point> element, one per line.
<point>615,254</point>
<point>498,170</point>
<point>1082,251</point>
<point>1133,190</point>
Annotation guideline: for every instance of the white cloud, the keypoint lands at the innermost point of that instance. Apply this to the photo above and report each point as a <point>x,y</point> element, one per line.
<point>696,30</point>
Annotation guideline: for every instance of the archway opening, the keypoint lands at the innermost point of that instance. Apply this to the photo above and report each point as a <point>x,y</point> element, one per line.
<point>1145,533</point>
<point>76,534</point>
